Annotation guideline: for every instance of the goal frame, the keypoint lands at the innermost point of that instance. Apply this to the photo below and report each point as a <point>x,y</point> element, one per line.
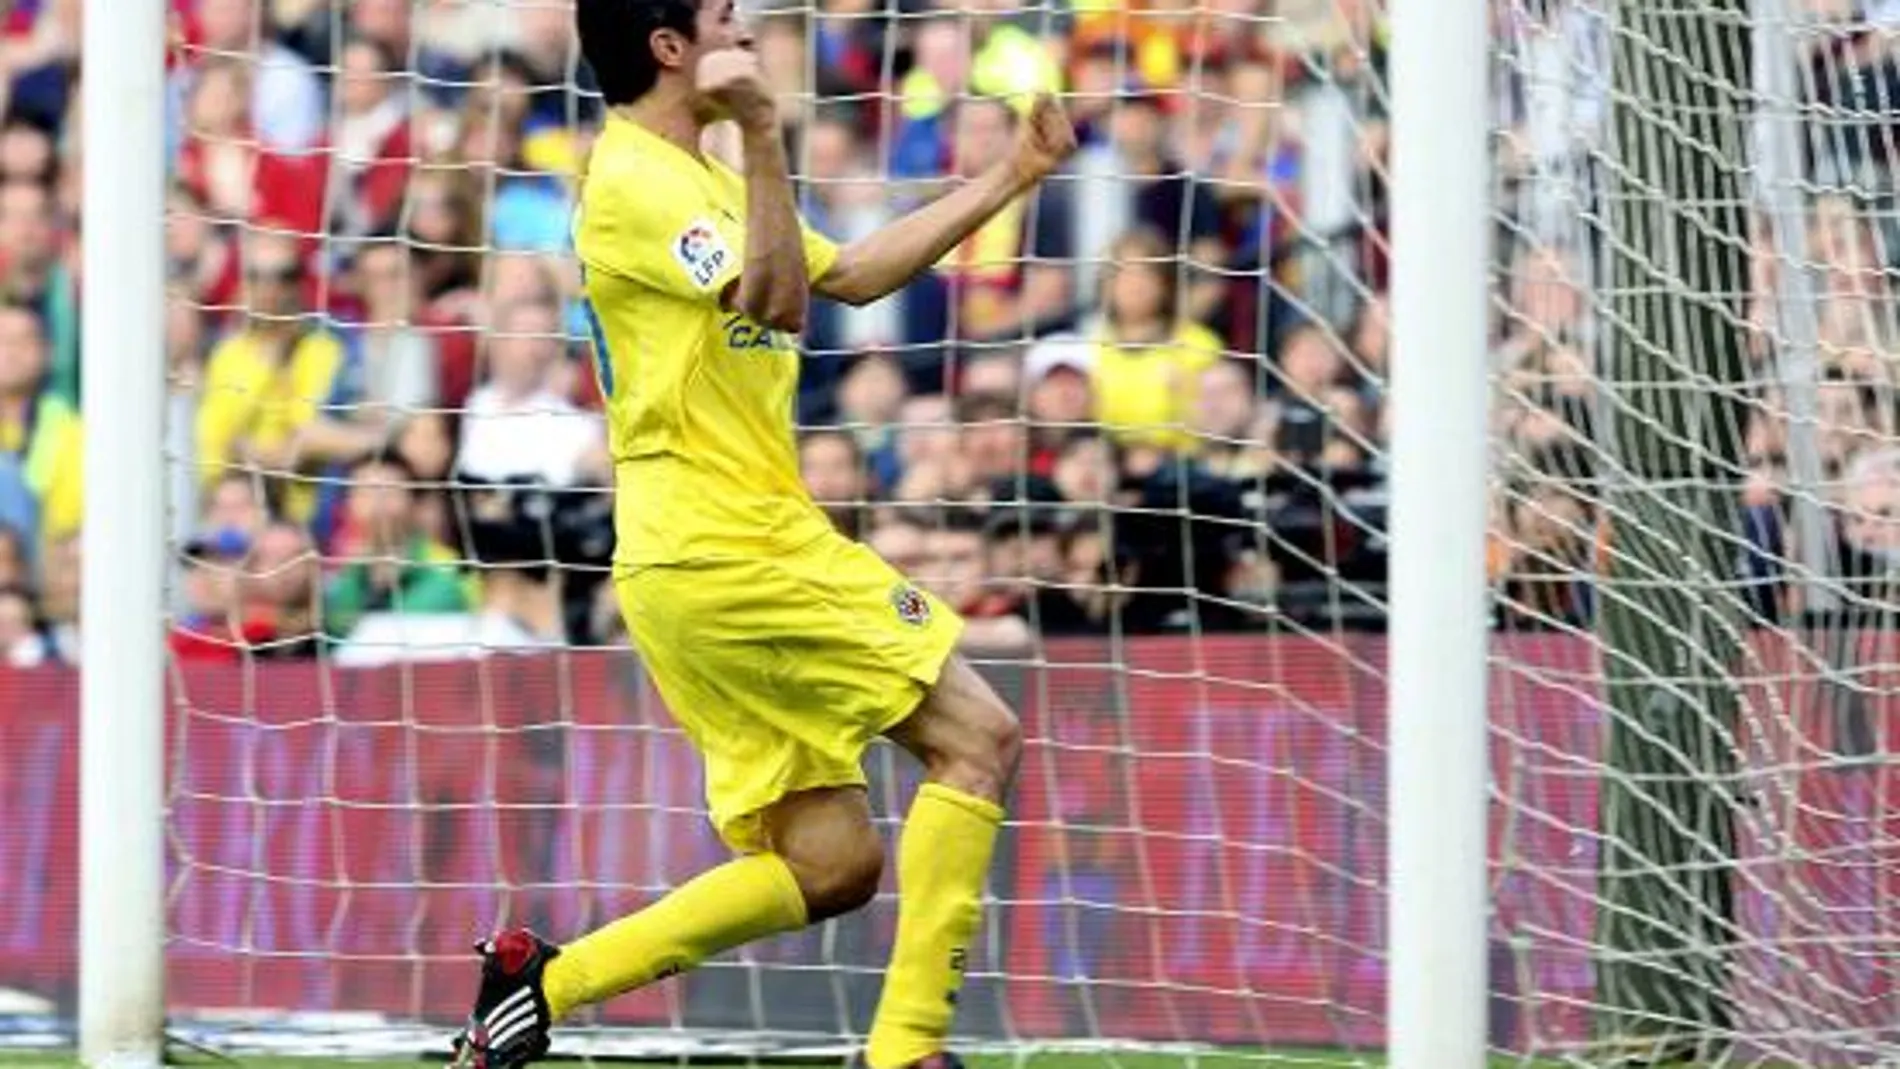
<point>122,694</point>
<point>1437,716</point>
<point>1439,631</point>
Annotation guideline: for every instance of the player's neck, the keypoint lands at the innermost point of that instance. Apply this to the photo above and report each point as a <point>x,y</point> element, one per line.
<point>666,115</point>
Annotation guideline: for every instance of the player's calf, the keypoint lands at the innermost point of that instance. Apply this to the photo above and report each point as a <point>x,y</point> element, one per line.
<point>826,838</point>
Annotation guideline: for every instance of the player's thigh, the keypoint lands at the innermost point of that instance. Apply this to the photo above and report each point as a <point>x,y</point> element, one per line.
<point>698,632</point>
<point>865,649</point>
<point>964,733</point>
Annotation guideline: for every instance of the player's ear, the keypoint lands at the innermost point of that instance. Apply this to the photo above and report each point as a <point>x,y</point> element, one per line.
<point>669,46</point>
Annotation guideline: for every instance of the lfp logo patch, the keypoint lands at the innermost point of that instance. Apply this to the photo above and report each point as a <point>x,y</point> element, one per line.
<point>702,252</point>
<point>911,605</point>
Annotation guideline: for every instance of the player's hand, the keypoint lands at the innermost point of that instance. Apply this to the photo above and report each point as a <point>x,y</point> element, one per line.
<point>735,84</point>
<point>1045,139</point>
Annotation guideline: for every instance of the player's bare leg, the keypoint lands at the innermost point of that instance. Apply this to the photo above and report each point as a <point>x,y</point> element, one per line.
<point>970,744</point>
<point>823,858</point>
<point>827,839</point>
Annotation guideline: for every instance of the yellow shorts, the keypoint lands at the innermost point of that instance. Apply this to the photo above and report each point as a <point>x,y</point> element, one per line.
<point>781,670</point>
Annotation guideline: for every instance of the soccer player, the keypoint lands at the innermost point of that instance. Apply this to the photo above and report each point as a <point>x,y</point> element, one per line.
<point>781,647</point>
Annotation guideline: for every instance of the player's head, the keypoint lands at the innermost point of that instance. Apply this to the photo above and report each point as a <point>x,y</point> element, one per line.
<point>632,45</point>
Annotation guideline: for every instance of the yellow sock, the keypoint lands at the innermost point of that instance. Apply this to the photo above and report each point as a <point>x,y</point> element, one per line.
<point>742,900</point>
<point>941,863</point>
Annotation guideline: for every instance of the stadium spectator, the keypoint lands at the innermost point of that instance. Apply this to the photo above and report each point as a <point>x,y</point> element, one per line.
<point>1159,193</point>
<point>213,625</point>
<point>1870,522</point>
<point>40,57</point>
<point>27,153</point>
<point>902,540</point>
<point>21,643</point>
<point>832,466</point>
<point>394,566</point>
<point>281,588</point>
<point>392,364</point>
<point>956,571</point>
<point>527,208</point>
<point>1231,425</point>
<point>16,557</point>
<point>520,605</point>
<point>445,232</point>
<point>520,423</point>
<point>239,177</point>
<point>59,597</point>
<point>1088,470</point>
<point>279,86</point>
<point>841,199</point>
<point>41,438</point>
<point>1006,281</point>
<point>372,146</point>
<point>981,52</point>
<point>994,442</point>
<point>1060,398</point>
<point>35,273</point>
<point>870,400</point>
<point>266,387</point>
<point>1148,356</point>
<point>235,502</point>
<point>991,371</point>
<point>930,467</point>
<point>201,262</point>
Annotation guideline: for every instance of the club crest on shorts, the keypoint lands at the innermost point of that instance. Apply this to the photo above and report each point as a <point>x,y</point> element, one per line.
<point>911,606</point>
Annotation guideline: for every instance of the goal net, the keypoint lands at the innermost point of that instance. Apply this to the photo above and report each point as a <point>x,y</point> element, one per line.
<point>1135,429</point>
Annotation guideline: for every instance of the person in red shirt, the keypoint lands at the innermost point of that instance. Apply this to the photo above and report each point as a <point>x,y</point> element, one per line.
<point>222,163</point>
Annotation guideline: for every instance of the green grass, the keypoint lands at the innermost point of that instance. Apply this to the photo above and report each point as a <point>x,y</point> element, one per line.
<point>1042,1060</point>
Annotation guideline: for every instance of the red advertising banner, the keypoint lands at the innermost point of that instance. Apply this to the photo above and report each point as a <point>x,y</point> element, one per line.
<point>1198,850</point>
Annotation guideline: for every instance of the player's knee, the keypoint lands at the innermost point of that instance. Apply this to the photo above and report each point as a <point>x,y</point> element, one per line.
<point>1006,744</point>
<point>844,879</point>
<point>985,764</point>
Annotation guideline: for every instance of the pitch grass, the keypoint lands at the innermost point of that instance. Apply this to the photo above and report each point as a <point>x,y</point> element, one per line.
<point>1288,1059</point>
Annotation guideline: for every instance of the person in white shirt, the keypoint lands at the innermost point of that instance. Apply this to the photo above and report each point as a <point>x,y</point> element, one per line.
<point>515,425</point>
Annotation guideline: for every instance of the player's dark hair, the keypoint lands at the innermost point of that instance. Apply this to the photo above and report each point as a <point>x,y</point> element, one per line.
<point>616,40</point>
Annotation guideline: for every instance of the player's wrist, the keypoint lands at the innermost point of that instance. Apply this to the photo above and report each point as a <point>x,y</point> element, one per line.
<point>759,125</point>
<point>1019,175</point>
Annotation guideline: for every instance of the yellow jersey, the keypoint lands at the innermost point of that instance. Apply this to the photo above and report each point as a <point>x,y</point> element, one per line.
<point>251,394</point>
<point>1145,395</point>
<point>698,398</point>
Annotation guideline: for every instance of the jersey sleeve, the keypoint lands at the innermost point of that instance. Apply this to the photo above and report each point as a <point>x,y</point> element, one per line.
<point>664,236</point>
<point>671,238</point>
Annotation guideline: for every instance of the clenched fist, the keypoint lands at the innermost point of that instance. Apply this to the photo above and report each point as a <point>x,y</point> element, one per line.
<point>1045,139</point>
<point>732,80</point>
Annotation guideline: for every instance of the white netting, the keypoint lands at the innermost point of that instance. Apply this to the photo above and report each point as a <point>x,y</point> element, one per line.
<point>1135,430</point>
<point>1165,541</point>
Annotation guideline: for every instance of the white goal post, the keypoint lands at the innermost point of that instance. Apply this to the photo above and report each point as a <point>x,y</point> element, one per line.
<point>1534,696</point>
<point>122,744</point>
<point>1437,706</point>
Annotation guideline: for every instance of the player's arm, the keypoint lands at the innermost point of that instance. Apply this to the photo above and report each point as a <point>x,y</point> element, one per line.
<point>772,288</point>
<point>890,257</point>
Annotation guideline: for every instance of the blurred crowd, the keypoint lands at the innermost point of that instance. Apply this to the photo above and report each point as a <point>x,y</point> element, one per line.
<point>1149,398</point>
